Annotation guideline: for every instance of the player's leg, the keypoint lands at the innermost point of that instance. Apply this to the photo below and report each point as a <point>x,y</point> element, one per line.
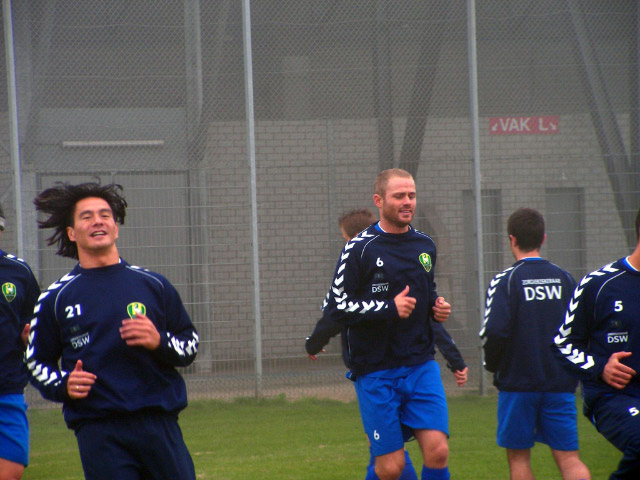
<point>519,464</point>
<point>145,445</point>
<point>425,410</point>
<point>435,452</point>
<point>557,426</point>
<point>409,472</point>
<point>517,413</point>
<point>14,436</point>
<point>371,474</point>
<point>389,466</point>
<point>10,470</point>
<point>617,418</point>
<point>570,465</point>
<point>162,451</point>
<point>629,466</point>
<point>379,406</point>
<point>105,451</point>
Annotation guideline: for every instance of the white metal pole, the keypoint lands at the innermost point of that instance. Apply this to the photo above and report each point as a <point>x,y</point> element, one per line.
<point>251,153</point>
<point>477,176</point>
<point>14,140</point>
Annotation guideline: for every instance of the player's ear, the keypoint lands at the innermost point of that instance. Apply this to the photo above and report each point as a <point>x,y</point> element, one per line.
<point>71,234</point>
<point>378,200</point>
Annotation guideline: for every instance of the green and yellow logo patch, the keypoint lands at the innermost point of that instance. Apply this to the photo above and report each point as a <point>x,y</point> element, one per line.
<point>425,261</point>
<point>9,291</point>
<point>136,307</point>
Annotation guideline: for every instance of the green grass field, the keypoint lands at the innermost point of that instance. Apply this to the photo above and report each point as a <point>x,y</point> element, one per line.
<point>310,439</point>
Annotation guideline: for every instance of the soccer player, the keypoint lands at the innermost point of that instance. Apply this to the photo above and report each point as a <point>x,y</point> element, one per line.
<point>350,223</point>
<point>325,329</point>
<point>525,304</point>
<point>105,341</point>
<point>19,294</point>
<point>600,342</point>
<point>383,294</point>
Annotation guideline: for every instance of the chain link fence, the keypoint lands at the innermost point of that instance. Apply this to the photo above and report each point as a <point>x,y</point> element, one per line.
<point>154,96</point>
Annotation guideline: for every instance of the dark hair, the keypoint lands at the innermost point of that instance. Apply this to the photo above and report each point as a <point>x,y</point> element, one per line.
<point>527,226</point>
<point>59,203</point>
<point>355,221</point>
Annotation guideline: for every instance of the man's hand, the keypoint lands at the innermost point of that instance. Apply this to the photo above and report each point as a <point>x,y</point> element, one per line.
<point>617,374</point>
<point>80,382</point>
<point>140,332</point>
<point>441,310</point>
<point>461,376</point>
<point>314,357</point>
<point>404,303</point>
<point>24,335</point>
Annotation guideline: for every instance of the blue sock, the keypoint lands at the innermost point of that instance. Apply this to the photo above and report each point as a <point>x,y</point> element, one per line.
<point>435,473</point>
<point>371,474</point>
<point>409,472</point>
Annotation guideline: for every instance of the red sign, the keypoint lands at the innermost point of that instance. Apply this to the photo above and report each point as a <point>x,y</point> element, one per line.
<point>535,125</point>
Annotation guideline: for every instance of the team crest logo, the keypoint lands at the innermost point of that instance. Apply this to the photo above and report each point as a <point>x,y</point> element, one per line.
<point>9,291</point>
<point>425,261</point>
<point>136,307</point>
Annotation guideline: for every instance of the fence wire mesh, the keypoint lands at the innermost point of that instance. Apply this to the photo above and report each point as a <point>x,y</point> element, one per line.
<point>152,96</point>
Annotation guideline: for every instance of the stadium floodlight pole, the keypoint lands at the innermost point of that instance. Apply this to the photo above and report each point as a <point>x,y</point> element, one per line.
<point>14,142</point>
<point>477,176</point>
<point>251,154</point>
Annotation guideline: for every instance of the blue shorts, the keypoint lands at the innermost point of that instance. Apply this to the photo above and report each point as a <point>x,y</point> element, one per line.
<point>528,417</point>
<point>617,418</point>
<point>130,447</point>
<point>14,429</point>
<point>389,405</point>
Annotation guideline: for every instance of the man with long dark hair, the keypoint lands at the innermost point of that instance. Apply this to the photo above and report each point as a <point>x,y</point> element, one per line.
<point>105,341</point>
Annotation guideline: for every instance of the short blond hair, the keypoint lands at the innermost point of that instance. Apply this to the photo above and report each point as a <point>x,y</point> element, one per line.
<point>382,180</point>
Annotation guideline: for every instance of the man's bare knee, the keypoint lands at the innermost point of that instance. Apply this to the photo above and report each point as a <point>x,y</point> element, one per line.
<point>390,466</point>
<point>389,472</point>
<point>438,457</point>
<point>434,446</point>
<point>570,465</point>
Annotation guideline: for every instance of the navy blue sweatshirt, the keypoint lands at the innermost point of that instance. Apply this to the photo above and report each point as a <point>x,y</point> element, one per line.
<point>373,268</point>
<point>19,292</point>
<point>447,347</point>
<point>78,318</point>
<point>601,319</point>
<point>326,329</point>
<point>525,304</point>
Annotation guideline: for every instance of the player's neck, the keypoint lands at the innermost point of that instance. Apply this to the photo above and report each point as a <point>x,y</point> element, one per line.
<point>388,227</point>
<point>98,259</point>
<point>520,255</point>
<point>634,258</point>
